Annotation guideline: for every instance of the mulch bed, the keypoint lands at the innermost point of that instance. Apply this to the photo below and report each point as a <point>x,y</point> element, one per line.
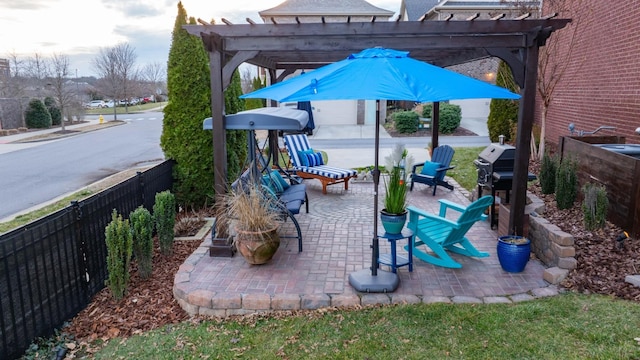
<point>427,133</point>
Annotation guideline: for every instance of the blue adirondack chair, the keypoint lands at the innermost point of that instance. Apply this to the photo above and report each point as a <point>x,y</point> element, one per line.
<point>441,234</point>
<point>433,171</point>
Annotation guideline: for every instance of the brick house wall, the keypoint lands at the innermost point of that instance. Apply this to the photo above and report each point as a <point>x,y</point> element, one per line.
<point>601,85</point>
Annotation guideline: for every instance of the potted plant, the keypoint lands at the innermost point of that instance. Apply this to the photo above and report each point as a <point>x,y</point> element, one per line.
<point>513,252</point>
<point>394,214</point>
<point>255,218</point>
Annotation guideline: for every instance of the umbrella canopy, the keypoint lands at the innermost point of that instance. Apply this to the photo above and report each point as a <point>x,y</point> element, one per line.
<point>381,74</point>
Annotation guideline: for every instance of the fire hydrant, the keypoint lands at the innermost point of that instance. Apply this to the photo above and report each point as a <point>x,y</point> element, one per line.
<point>101,118</point>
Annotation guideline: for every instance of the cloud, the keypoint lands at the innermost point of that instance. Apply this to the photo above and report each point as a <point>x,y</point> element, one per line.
<point>138,9</point>
<point>24,4</point>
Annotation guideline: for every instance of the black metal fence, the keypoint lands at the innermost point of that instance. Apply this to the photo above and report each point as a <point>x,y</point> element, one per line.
<point>52,267</point>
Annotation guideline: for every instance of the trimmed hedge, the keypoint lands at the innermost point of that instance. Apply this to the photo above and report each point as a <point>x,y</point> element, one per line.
<point>449,118</point>
<point>406,121</point>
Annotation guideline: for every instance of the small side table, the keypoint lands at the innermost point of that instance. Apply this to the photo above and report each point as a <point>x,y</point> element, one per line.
<point>393,260</point>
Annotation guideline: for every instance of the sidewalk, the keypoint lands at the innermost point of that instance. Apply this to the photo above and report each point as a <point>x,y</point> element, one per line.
<point>11,143</point>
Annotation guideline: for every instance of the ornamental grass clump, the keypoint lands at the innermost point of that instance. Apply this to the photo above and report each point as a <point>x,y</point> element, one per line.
<point>251,209</point>
<point>397,164</point>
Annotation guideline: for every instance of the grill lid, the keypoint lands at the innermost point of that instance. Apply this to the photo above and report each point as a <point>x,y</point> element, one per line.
<point>495,152</point>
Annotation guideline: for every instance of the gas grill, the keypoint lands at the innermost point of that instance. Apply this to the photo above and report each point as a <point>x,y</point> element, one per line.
<point>495,171</point>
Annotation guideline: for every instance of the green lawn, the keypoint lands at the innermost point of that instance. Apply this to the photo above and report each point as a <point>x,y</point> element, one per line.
<point>562,327</point>
<point>465,172</point>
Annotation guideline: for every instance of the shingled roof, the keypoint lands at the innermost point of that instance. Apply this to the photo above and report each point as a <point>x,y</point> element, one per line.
<point>414,9</point>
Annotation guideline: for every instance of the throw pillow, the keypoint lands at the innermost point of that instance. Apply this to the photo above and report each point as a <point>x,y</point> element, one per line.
<point>312,160</point>
<point>302,155</point>
<point>430,168</point>
<point>273,185</point>
<point>318,158</point>
<point>277,178</point>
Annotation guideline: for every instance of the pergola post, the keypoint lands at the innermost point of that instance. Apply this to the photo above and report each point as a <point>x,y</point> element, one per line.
<point>523,138</point>
<point>218,132</point>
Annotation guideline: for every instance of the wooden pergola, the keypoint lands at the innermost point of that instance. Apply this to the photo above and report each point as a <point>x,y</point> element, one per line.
<point>290,47</point>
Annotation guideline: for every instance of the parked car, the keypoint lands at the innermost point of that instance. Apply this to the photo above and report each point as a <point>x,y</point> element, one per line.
<point>147,99</point>
<point>109,104</point>
<point>132,101</point>
<point>95,104</point>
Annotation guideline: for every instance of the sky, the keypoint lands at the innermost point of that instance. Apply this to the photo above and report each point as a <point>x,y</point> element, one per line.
<point>80,28</point>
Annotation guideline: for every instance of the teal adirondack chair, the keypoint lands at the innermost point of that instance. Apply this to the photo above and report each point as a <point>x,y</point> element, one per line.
<point>441,234</point>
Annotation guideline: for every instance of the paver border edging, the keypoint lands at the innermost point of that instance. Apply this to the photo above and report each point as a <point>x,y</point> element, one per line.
<point>209,303</point>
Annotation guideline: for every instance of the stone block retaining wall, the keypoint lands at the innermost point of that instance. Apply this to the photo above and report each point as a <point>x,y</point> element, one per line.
<point>550,244</point>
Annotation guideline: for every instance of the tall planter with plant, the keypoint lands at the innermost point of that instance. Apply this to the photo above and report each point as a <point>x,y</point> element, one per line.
<point>394,214</point>
<point>255,216</point>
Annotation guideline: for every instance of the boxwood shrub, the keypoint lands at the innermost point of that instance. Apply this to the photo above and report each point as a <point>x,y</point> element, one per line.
<point>406,121</point>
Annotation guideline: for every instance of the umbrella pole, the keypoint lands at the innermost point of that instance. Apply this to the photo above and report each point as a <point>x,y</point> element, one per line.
<point>375,251</point>
<point>373,280</point>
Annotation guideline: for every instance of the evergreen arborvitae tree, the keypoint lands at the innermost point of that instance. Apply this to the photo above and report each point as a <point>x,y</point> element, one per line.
<point>503,113</point>
<point>236,139</point>
<point>183,139</point>
<point>37,116</point>
<point>256,103</point>
<point>54,111</point>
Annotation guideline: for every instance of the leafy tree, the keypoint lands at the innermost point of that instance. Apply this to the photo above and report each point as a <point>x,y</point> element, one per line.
<point>56,114</point>
<point>503,113</point>
<point>188,85</point>
<point>115,66</point>
<point>36,115</point>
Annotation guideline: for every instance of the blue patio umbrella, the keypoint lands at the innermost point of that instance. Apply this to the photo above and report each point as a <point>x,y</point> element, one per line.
<point>380,74</point>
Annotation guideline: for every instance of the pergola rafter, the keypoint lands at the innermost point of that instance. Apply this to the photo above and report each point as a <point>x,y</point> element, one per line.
<point>442,43</point>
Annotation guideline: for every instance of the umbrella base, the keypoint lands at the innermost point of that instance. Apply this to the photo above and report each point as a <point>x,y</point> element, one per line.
<point>365,282</point>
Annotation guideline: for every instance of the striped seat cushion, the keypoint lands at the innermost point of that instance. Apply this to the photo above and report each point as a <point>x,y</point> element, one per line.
<point>327,171</point>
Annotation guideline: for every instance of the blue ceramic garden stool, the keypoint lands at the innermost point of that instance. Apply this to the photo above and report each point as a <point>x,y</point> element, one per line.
<point>394,260</point>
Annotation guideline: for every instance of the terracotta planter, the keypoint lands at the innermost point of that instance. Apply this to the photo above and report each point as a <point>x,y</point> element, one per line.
<point>257,247</point>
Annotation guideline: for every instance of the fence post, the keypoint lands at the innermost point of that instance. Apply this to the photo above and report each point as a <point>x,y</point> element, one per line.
<point>142,190</point>
<point>81,246</point>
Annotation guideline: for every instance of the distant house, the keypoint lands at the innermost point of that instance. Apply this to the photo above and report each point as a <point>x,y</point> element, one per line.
<point>485,69</point>
<point>339,112</point>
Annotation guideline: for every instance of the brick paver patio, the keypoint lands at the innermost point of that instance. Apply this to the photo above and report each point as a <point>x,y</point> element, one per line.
<point>337,234</point>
